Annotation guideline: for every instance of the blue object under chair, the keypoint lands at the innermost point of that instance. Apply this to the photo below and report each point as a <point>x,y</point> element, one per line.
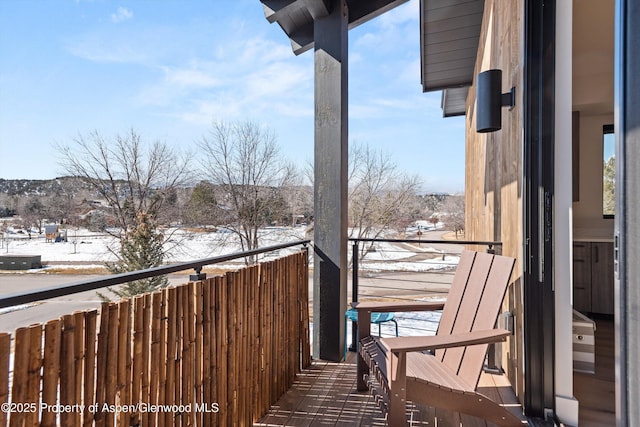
<point>376,318</point>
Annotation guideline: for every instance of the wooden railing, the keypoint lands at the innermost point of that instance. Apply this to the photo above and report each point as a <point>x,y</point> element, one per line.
<point>213,352</point>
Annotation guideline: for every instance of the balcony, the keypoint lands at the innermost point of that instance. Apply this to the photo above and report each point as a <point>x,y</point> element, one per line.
<point>227,350</point>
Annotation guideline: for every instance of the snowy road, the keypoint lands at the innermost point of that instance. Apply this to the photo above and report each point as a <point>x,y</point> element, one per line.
<point>15,317</point>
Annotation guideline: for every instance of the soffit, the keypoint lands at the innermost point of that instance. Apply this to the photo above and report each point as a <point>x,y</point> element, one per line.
<point>449,36</point>
<point>454,101</point>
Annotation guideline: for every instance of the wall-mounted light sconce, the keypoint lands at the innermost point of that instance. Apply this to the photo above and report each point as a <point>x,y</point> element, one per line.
<point>490,100</point>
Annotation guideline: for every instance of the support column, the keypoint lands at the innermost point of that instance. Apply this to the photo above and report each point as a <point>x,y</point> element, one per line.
<point>627,215</point>
<point>330,183</point>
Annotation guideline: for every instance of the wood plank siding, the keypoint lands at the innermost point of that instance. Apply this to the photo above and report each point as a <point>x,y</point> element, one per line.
<point>493,179</point>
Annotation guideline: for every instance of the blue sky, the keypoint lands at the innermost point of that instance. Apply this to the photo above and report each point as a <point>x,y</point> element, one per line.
<point>169,68</point>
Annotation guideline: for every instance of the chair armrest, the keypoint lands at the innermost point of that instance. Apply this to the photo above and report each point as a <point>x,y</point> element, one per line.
<point>383,307</point>
<point>423,343</point>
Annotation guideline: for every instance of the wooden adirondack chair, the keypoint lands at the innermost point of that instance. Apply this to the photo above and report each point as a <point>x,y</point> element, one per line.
<point>404,370</point>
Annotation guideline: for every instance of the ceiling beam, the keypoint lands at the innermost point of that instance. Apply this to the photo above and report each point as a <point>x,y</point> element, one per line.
<point>318,8</point>
<point>363,11</point>
<point>296,17</point>
<point>302,39</point>
<point>274,10</point>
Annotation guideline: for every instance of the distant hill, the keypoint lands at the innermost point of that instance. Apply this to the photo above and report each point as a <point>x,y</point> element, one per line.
<point>43,187</point>
<point>73,200</point>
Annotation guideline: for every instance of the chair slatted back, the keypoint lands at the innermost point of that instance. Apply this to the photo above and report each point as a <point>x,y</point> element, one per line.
<point>473,303</point>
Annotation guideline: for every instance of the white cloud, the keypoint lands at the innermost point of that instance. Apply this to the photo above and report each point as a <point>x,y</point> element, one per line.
<point>203,112</point>
<point>410,71</point>
<point>401,15</point>
<point>267,50</point>
<point>124,46</point>
<point>193,77</point>
<point>103,52</point>
<point>391,32</point>
<point>395,106</point>
<point>196,75</point>
<point>369,40</point>
<point>243,77</point>
<point>122,14</point>
<point>277,89</point>
<point>278,79</point>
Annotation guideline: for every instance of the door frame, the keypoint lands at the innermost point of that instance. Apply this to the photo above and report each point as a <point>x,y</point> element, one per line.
<point>538,170</point>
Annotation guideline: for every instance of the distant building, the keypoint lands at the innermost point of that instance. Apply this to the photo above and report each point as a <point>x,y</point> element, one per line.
<point>53,233</point>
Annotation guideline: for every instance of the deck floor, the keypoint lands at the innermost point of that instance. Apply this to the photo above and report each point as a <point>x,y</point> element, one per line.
<point>325,394</point>
<point>596,392</point>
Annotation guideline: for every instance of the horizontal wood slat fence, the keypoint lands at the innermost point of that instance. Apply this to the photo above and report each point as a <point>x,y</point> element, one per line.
<point>215,352</point>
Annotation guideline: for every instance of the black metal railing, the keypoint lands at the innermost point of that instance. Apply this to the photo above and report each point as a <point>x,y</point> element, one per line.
<point>19,298</point>
<point>491,247</point>
<point>391,282</point>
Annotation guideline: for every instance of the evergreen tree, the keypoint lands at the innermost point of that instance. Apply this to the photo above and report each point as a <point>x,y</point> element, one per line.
<point>202,207</point>
<point>141,248</point>
<point>609,186</point>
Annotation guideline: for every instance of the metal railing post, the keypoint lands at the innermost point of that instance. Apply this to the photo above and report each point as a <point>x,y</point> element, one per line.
<point>198,275</point>
<point>354,295</point>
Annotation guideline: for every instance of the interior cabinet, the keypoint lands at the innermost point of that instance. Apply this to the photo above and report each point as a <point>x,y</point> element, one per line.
<point>582,276</point>
<point>593,277</point>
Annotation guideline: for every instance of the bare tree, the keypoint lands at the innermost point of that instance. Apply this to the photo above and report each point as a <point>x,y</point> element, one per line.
<point>137,181</point>
<point>131,177</point>
<point>299,200</point>
<point>454,213</point>
<point>380,196</point>
<point>32,212</point>
<point>243,161</point>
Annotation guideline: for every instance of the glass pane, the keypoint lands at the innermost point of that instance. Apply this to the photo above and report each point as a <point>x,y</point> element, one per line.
<point>608,172</point>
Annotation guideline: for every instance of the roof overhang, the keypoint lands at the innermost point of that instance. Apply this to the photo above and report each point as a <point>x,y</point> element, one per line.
<point>296,17</point>
<point>449,37</point>
<point>454,101</point>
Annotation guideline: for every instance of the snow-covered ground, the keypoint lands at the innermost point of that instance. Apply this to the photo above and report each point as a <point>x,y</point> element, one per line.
<point>437,263</point>
<point>84,248</point>
<point>397,257</point>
